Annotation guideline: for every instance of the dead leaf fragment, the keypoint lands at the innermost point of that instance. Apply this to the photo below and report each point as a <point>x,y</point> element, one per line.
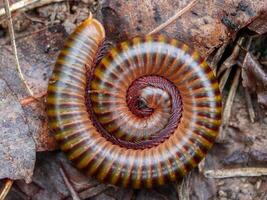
<point>206,26</point>
<point>17,147</point>
<point>259,25</point>
<point>37,54</point>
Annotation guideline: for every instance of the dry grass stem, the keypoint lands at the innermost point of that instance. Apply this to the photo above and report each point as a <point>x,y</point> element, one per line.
<point>238,172</point>
<point>249,106</point>
<point>6,188</point>
<point>230,98</point>
<point>25,5</point>
<point>26,35</point>
<point>174,17</point>
<point>73,193</point>
<point>228,106</point>
<point>13,42</point>
<point>224,78</point>
<point>217,57</point>
<point>230,61</point>
<point>30,99</point>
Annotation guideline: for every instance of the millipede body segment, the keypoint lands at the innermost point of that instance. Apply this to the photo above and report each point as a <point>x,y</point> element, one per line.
<point>146,114</point>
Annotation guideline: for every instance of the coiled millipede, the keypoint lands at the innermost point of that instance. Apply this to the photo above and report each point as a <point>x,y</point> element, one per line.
<point>145,114</point>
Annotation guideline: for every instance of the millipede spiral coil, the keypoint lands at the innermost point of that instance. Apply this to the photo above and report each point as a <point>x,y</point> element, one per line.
<point>145,114</point>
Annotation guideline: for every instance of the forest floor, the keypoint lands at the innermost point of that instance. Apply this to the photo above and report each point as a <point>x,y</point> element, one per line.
<point>234,44</point>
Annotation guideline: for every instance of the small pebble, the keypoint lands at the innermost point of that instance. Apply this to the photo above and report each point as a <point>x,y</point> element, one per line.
<point>69,26</point>
<point>258,184</point>
<point>222,193</point>
<point>221,182</point>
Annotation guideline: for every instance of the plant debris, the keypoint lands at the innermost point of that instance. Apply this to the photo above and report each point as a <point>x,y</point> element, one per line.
<point>255,77</point>
<point>17,147</point>
<point>231,33</point>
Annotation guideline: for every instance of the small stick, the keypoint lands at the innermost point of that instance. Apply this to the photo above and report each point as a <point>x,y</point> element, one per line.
<point>228,105</point>
<point>13,42</point>
<point>217,57</point>
<point>230,61</point>
<point>224,78</point>
<point>30,99</point>
<point>239,172</point>
<point>230,98</point>
<point>6,188</point>
<point>73,193</point>
<point>25,5</point>
<point>93,191</point>
<point>29,34</point>
<point>173,18</point>
<point>249,106</point>
<point>33,19</point>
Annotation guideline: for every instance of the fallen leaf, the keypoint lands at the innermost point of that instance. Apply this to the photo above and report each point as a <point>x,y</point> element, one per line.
<point>37,54</point>
<point>17,147</point>
<point>206,26</point>
<point>259,25</point>
<point>47,182</point>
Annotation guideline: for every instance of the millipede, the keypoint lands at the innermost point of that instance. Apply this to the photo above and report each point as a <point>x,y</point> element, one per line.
<point>141,115</point>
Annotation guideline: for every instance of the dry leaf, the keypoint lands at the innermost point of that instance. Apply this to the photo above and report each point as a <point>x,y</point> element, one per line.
<point>37,53</point>
<point>17,147</point>
<point>206,26</point>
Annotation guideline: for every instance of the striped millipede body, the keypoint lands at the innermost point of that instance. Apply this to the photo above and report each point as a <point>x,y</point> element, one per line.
<point>145,114</point>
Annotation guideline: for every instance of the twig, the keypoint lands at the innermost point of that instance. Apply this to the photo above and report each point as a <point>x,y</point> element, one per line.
<point>224,78</point>
<point>31,99</point>
<point>174,17</point>
<point>230,61</point>
<point>254,68</point>
<point>25,5</point>
<point>26,35</point>
<point>230,98</point>
<point>93,191</point>
<point>6,188</point>
<point>33,19</point>
<point>217,57</point>
<point>228,105</point>
<point>73,193</point>
<point>239,172</point>
<point>249,106</point>
<point>13,42</point>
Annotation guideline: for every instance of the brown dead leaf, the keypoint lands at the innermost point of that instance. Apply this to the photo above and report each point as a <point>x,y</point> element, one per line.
<point>47,182</point>
<point>37,53</point>
<point>17,147</point>
<point>206,26</point>
<point>260,24</point>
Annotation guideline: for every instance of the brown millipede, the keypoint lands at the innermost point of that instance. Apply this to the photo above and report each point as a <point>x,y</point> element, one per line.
<point>147,113</point>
